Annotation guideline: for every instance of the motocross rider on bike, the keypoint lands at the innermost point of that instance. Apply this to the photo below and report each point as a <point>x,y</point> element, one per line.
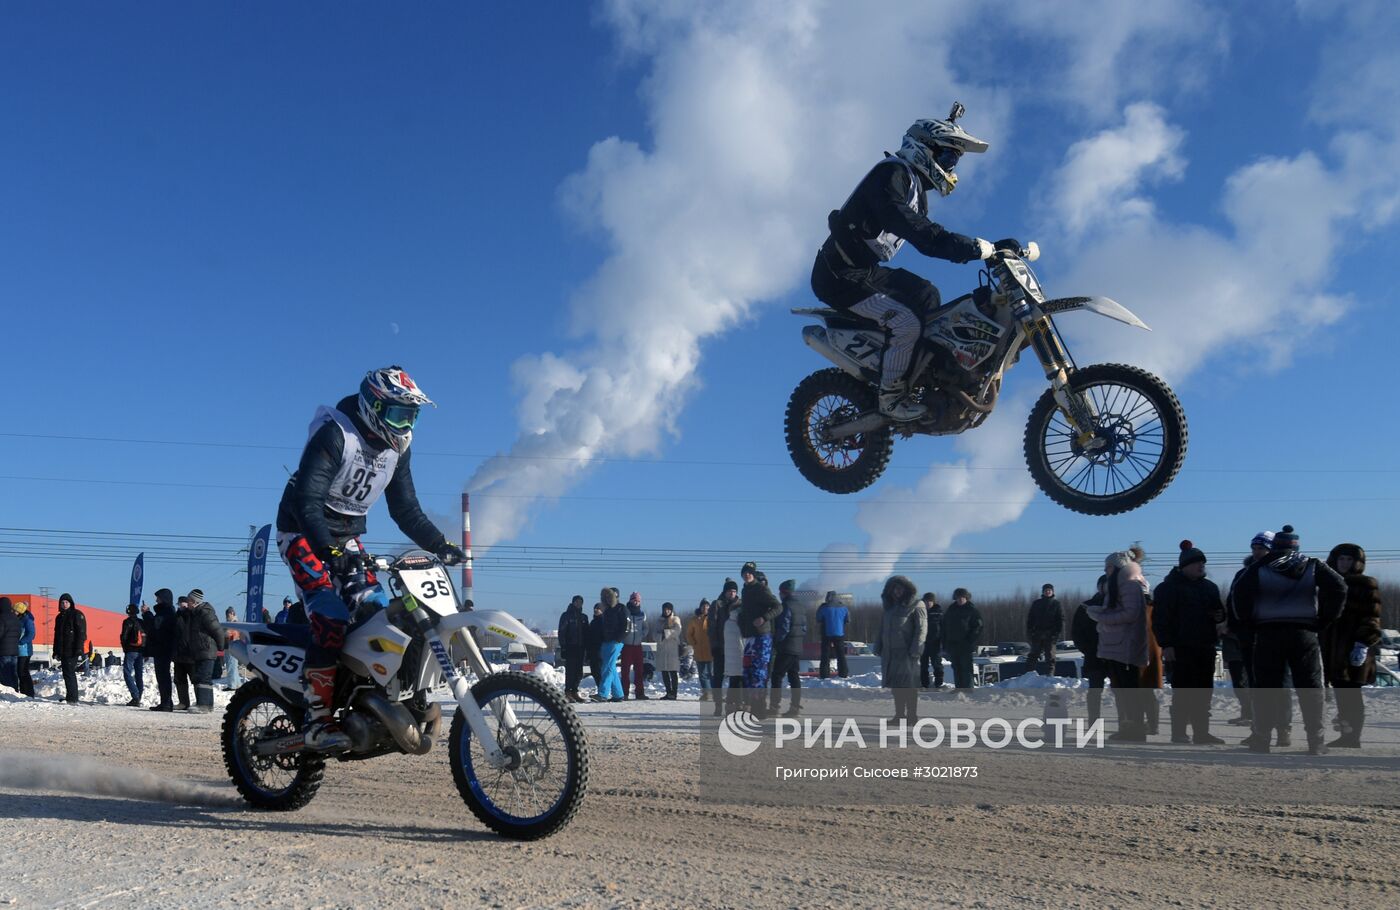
<point>888,207</point>
<point>355,452</point>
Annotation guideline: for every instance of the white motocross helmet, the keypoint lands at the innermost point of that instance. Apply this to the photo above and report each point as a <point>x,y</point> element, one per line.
<point>933,147</point>
<point>389,403</point>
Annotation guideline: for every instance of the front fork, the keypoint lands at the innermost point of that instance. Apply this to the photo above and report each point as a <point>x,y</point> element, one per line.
<point>461,692</point>
<point>1077,409</point>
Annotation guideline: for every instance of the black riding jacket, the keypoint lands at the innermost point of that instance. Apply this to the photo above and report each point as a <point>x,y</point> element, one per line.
<point>303,508</point>
<point>880,203</point>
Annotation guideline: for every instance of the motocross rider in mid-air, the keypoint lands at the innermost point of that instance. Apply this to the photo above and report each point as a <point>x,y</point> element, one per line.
<point>356,452</point>
<point>888,207</point>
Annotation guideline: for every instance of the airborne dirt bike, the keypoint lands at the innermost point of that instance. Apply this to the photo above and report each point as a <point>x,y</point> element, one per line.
<point>516,747</point>
<point>1102,439</point>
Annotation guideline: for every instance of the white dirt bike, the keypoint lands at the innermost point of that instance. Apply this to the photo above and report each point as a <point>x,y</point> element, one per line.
<point>516,746</point>
<point>1102,439</point>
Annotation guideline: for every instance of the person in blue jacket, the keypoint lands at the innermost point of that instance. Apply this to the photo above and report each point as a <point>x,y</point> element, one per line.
<point>833,617</point>
<point>26,648</point>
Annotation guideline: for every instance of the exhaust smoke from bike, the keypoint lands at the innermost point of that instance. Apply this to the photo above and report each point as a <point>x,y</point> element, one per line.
<point>92,777</point>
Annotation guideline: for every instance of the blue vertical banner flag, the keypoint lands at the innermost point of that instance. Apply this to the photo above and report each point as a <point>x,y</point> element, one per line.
<point>138,575</point>
<point>257,566</point>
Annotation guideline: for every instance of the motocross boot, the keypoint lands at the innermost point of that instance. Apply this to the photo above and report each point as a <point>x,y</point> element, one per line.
<point>322,733</point>
<point>895,404</point>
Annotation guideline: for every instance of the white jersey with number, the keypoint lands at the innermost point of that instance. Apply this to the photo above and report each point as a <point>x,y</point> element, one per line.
<point>363,475</point>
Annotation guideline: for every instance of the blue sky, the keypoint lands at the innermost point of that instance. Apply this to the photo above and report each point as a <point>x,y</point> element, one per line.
<point>215,219</point>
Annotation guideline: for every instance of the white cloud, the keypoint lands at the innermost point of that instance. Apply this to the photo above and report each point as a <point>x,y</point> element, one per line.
<point>1100,180</point>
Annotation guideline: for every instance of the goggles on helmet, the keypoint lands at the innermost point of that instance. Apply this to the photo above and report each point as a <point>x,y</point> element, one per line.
<point>397,416</point>
<point>945,157</point>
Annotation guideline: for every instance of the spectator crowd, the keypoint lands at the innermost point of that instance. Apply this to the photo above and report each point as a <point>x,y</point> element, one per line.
<point>1286,626</point>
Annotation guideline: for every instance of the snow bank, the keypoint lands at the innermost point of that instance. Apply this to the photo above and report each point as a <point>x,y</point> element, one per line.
<point>102,687</point>
<point>1036,681</point>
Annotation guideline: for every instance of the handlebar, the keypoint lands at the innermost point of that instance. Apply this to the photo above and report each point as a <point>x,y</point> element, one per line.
<point>1030,252</point>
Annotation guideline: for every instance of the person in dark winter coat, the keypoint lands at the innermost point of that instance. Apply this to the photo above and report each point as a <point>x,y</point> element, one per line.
<point>1259,548</point>
<point>1186,613</point>
<point>133,638</point>
<point>10,630</point>
<point>284,614</point>
<point>962,625</point>
<point>833,616</point>
<point>789,632</point>
<point>1085,634</point>
<point>933,643</point>
<point>573,645</point>
<point>724,611</point>
<point>899,642</point>
<point>69,643</point>
<point>160,646</point>
<point>757,611</point>
<point>26,648</point>
<point>1045,623</point>
<point>184,667</point>
<point>198,639</point>
<point>1349,644</point>
<point>1286,598</point>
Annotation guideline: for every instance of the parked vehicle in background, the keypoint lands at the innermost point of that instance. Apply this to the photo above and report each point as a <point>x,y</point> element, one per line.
<point>1387,678</point>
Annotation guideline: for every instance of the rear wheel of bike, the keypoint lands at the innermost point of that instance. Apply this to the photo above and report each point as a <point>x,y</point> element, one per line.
<point>826,398</point>
<point>542,786</point>
<point>281,782</point>
<point>1140,442</point>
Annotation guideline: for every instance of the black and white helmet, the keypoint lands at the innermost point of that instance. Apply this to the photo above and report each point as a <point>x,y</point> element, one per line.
<point>933,147</point>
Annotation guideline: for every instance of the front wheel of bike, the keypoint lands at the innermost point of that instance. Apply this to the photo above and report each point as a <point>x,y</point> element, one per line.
<point>1138,446</point>
<point>543,783</point>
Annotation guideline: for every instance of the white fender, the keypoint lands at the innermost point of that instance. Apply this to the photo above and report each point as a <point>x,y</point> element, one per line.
<point>491,623</point>
<point>1104,306</point>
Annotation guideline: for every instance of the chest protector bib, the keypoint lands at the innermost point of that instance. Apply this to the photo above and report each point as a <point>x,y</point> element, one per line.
<point>363,475</point>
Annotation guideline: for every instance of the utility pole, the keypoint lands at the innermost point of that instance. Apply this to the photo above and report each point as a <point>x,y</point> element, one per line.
<point>252,532</point>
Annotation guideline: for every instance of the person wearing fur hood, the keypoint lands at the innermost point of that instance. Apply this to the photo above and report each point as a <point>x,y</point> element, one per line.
<point>900,644</point>
<point>1349,644</point>
<point>1123,639</point>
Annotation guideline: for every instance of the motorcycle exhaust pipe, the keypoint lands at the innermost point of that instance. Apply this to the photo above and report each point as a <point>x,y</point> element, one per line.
<point>866,423</point>
<point>283,745</point>
<point>399,721</point>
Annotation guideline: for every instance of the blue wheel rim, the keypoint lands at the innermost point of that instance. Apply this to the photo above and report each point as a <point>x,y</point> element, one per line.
<point>474,780</point>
